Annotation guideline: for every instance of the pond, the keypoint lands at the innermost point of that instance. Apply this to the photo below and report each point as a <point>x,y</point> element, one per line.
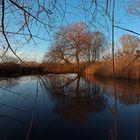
<point>69,107</point>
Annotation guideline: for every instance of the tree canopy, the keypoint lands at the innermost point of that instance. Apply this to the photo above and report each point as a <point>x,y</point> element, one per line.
<point>130,44</point>
<point>76,43</point>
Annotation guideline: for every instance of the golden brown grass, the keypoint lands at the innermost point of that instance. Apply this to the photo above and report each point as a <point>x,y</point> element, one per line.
<point>122,69</point>
<point>102,68</point>
<point>63,68</point>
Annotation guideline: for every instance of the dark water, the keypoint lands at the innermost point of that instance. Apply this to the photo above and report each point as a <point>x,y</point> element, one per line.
<point>68,107</point>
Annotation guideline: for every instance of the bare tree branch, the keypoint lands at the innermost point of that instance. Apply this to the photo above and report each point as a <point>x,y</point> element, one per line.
<point>131,31</point>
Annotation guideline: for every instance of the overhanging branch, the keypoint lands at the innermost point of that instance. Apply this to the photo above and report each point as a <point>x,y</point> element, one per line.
<point>128,30</point>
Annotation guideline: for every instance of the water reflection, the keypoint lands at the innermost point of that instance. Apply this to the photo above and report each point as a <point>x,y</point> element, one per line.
<point>128,92</point>
<point>9,83</point>
<point>69,107</point>
<point>74,97</point>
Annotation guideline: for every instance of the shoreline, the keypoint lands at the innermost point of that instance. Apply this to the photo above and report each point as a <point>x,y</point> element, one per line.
<point>94,69</point>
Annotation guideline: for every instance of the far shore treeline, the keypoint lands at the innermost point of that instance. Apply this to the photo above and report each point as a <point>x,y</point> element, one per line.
<point>76,49</point>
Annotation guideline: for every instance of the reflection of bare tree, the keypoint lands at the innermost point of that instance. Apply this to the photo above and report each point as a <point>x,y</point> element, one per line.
<point>73,96</point>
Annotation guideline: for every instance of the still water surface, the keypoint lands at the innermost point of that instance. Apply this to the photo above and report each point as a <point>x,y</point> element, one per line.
<point>69,107</point>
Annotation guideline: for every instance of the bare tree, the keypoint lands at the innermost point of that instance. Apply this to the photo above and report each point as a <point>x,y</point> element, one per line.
<point>76,35</point>
<point>58,54</point>
<point>96,43</point>
<point>25,22</point>
<point>76,43</point>
<point>129,44</point>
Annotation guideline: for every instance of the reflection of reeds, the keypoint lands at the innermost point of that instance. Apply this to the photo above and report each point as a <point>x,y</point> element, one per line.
<point>127,92</point>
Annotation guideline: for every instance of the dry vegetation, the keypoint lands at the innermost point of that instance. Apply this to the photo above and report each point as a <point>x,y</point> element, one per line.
<point>72,44</point>
<point>58,68</point>
<point>15,69</point>
<point>127,61</point>
<point>123,68</point>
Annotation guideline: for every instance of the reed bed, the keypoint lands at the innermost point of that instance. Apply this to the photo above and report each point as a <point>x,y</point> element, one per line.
<point>58,68</point>
<point>100,68</point>
<point>123,68</point>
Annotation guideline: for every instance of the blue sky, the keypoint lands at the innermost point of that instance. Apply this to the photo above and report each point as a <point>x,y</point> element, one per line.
<point>125,20</point>
<point>76,14</point>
